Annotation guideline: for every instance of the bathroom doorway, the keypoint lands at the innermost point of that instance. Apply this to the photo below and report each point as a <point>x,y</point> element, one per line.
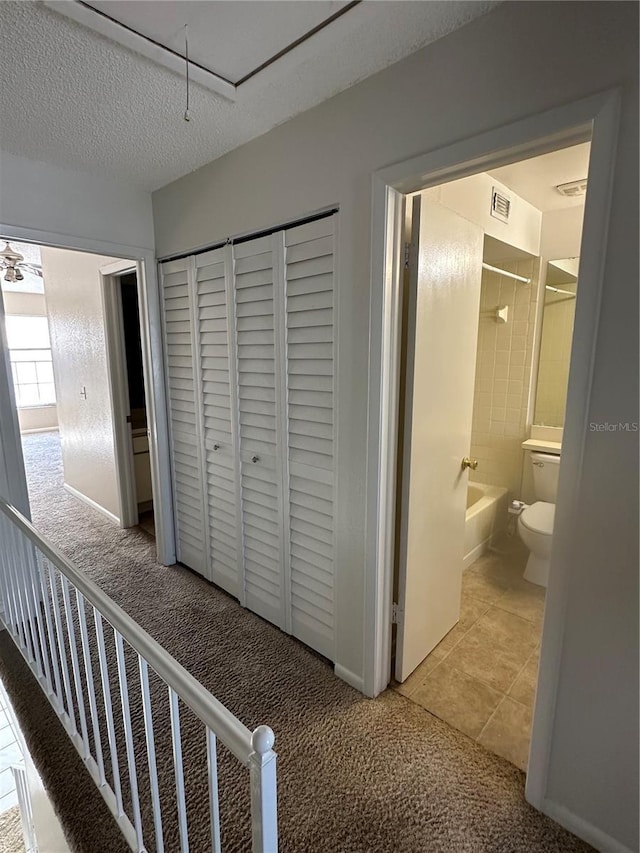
<point>488,299</point>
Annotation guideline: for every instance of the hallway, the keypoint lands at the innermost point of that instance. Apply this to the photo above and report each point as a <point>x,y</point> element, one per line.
<point>354,774</point>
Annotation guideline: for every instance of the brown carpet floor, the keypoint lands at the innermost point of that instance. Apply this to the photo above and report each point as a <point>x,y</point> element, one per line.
<point>354,774</point>
<point>11,839</point>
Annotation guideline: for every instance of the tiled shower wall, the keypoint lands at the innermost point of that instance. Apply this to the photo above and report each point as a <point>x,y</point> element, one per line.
<point>503,375</point>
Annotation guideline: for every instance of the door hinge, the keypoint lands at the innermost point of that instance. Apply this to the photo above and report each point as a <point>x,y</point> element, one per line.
<point>396,614</point>
<point>407,255</point>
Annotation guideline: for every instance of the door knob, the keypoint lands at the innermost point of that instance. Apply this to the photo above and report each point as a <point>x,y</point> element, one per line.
<point>469,463</point>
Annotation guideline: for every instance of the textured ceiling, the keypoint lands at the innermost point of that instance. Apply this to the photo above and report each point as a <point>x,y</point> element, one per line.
<point>74,98</point>
<point>260,30</point>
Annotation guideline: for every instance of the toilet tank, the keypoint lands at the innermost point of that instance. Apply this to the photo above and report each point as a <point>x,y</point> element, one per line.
<point>546,468</point>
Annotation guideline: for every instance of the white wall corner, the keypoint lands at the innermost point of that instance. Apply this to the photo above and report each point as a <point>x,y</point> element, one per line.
<point>76,494</point>
<point>351,678</point>
<point>583,829</point>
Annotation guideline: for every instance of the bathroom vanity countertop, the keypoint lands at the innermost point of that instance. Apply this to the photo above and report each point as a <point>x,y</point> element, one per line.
<point>542,446</point>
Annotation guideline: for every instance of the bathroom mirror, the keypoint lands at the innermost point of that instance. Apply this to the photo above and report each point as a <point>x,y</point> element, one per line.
<point>555,344</point>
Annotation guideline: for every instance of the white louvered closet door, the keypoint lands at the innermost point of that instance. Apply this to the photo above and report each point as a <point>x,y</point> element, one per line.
<point>183,414</point>
<point>257,290</point>
<point>310,378</point>
<point>215,337</point>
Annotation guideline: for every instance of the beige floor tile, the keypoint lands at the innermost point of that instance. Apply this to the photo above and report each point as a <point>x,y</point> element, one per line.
<point>495,649</point>
<point>459,700</point>
<point>482,586</point>
<point>523,689</point>
<point>525,600</point>
<point>501,628</point>
<point>495,567</point>
<point>471,609</point>
<point>411,684</point>
<point>508,732</point>
<point>450,640</point>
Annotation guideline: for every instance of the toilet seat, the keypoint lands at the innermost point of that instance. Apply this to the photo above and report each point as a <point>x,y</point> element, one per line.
<point>539,517</point>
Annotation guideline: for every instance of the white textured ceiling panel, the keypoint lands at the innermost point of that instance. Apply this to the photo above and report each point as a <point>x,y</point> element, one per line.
<point>74,98</point>
<point>229,38</point>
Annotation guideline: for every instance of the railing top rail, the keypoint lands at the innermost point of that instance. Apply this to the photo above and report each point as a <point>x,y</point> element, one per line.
<point>233,734</point>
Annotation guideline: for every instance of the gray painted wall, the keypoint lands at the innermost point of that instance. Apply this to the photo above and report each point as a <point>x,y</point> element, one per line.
<point>521,59</point>
<point>51,199</point>
<point>81,209</point>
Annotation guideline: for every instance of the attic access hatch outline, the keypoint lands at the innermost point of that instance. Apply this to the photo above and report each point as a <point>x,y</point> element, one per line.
<point>98,21</point>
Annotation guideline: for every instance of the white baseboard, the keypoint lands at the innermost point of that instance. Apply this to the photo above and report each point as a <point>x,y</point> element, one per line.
<point>40,429</point>
<point>350,677</point>
<point>476,552</point>
<point>583,829</point>
<point>91,503</point>
<point>482,548</point>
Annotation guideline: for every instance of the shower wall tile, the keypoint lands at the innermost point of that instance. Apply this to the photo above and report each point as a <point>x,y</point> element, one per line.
<point>503,375</point>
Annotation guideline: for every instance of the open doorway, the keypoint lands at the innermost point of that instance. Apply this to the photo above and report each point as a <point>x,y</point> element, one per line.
<point>125,369</point>
<point>71,356</point>
<point>137,401</point>
<point>490,291</point>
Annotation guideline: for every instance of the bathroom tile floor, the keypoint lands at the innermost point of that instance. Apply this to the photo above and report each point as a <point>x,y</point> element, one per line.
<point>481,678</point>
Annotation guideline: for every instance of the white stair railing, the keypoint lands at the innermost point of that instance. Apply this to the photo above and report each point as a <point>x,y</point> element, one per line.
<point>44,601</point>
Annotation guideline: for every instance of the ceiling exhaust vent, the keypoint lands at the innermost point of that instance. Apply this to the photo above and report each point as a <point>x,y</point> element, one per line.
<point>573,189</point>
<point>500,205</point>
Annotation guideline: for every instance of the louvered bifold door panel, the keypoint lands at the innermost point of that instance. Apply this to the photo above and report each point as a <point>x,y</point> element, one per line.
<point>216,358</point>
<point>260,442</point>
<point>183,415</point>
<point>310,343</point>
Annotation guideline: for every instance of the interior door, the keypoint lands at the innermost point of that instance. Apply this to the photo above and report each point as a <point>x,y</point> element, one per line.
<point>256,276</point>
<point>215,340</point>
<point>311,363</point>
<point>184,419</point>
<point>442,331</point>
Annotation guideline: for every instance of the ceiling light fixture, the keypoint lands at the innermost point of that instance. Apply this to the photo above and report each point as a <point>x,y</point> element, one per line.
<point>11,261</point>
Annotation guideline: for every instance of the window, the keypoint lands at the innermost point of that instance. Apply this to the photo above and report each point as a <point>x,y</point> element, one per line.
<point>31,365</point>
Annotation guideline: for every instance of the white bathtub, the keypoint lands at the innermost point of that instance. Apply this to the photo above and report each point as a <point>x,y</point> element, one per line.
<point>485,518</point>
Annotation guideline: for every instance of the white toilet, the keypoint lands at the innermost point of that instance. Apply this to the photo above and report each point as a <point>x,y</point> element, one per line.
<point>535,522</point>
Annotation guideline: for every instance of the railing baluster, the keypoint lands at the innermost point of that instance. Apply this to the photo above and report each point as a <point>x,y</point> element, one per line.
<point>151,753</point>
<point>179,772</point>
<point>128,736</point>
<point>75,664</point>
<point>10,617</point>
<point>264,807</point>
<point>14,573</point>
<point>214,804</point>
<point>39,627</point>
<point>108,709</point>
<point>29,604</point>
<point>52,644</point>
<point>53,583</point>
<point>88,669</point>
<point>32,606</point>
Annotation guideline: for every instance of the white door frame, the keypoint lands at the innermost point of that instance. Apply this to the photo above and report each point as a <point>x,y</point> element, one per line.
<point>119,387</point>
<point>152,357</point>
<point>594,118</point>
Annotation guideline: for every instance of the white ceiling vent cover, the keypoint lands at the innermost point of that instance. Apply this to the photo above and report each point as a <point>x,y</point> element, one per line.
<point>500,205</point>
<point>573,189</point>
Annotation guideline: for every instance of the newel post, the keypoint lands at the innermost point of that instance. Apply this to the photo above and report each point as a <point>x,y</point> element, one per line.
<point>264,800</point>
